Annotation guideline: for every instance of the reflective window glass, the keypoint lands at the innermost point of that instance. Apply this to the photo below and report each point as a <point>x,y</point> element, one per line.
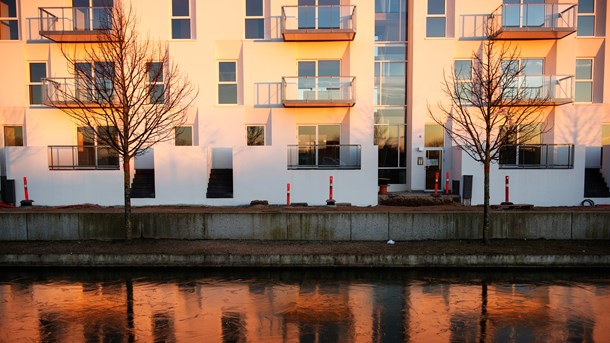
<point>13,136</point>
<point>227,71</point>
<point>180,8</point>
<point>254,8</point>
<point>255,135</point>
<point>435,27</point>
<point>463,69</point>
<point>586,25</point>
<point>184,136</point>
<point>586,6</point>
<point>584,69</point>
<point>436,6</point>
<point>434,135</point>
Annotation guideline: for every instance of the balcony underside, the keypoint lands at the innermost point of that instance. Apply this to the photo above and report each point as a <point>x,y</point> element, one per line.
<point>74,104</point>
<point>531,33</point>
<point>318,35</point>
<point>318,103</point>
<point>89,36</point>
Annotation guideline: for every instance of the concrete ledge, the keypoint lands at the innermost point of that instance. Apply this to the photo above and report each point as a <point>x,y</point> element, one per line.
<point>305,260</point>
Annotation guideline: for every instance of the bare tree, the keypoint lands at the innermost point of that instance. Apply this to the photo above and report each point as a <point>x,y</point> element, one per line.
<point>127,93</point>
<point>492,104</point>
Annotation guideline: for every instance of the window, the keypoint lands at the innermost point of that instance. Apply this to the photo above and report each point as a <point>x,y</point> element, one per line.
<point>584,80</point>
<point>436,21</point>
<point>184,136</point>
<point>93,150</point>
<point>13,136</point>
<point>227,82</point>
<point>319,80</point>
<point>95,81</point>
<point>255,22</point>
<point>529,84</point>
<point>390,20</point>
<point>92,14</point>
<point>319,145</point>
<point>9,24</point>
<point>390,83</point>
<point>586,18</point>
<point>255,135</point>
<point>38,71</point>
<point>434,136</point>
<point>156,89</point>
<point>462,70</point>
<point>181,19</point>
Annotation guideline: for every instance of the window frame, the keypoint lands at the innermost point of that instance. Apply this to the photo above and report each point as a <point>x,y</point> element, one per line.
<point>32,84</point>
<point>225,82</point>
<point>459,82</point>
<point>256,18</point>
<point>153,83</point>
<point>4,135</point>
<point>432,16</point>
<point>248,140</point>
<point>12,19</point>
<point>578,81</point>
<point>586,14</point>
<point>188,18</point>
<point>182,127</point>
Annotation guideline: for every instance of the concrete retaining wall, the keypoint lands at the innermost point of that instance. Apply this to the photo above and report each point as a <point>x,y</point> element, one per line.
<point>327,226</point>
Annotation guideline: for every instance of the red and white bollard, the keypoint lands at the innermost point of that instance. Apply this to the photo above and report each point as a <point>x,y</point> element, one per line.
<point>506,192</point>
<point>436,183</point>
<point>27,201</point>
<point>288,194</point>
<point>447,183</point>
<point>330,201</point>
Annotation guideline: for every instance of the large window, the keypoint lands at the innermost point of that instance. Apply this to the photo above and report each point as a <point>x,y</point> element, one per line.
<point>38,71</point>
<point>390,20</point>
<point>255,135</point>
<point>13,136</point>
<point>586,18</point>
<point>156,89</point>
<point>227,82</point>
<point>436,21</point>
<point>92,14</point>
<point>184,136</point>
<point>255,21</point>
<point>390,83</point>
<point>181,19</point>
<point>95,81</point>
<point>462,70</point>
<point>9,22</point>
<point>319,79</point>
<point>584,80</point>
<point>93,151</point>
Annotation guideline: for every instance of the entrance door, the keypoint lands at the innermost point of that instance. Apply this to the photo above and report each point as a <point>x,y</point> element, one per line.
<point>434,164</point>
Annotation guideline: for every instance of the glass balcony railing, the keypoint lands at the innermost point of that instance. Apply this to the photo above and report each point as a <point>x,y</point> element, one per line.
<point>537,156</point>
<point>555,89</point>
<point>327,156</point>
<point>71,92</point>
<point>522,22</point>
<point>318,23</point>
<point>318,91</point>
<point>76,24</point>
<point>68,157</point>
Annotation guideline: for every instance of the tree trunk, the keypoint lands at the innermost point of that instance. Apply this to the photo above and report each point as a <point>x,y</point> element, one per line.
<point>127,195</point>
<point>486,202</point>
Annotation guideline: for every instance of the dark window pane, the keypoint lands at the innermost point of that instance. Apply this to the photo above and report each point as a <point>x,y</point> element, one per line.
<point>586,25</point>
<point>227,94</point>
<point>181,28</point>
<point>254,8</point>
<point>463,70</point>
<point>157,94</point>
<point>226,72</point>
<point>436,6</point>
<point>8,8</point>
<point>255,28</point>
<point>329,68</point>
<point>38,71</point>
<point>435,27</point>
<point>80,3</point>
<point>155,73</point>
<point>184,136</point>
<point>9,30</point>
<point>255,135</point>
<point>180,8</point>
<point>13,136</point>
<point>586,6</point>
<point>35,94</point>
<point>396,176</point>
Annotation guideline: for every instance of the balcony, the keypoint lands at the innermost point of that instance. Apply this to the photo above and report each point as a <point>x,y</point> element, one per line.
<point>537,156</point>
<point>318,23</point>
<point>336,156</point>
<point>78,157</point>
<point>318,91</point>
<point>76,24</point>
<point>65,92</point>
<point>555,90</point>
<point>522,22</point>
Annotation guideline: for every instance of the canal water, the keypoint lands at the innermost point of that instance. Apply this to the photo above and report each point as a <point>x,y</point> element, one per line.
<point>303,305</point>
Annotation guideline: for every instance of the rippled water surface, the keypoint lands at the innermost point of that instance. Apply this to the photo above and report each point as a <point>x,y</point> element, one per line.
<point>192,305</point>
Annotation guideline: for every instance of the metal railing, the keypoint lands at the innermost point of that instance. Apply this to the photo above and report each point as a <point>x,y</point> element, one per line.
<point>69,157</point>
<point>551,87</point>
<point>549,17</point>
<point>70,19</point>
<point>329,17</point>
<point>318,88</point>
<point>66,90</point>
<point>537,156</point>
<point>329,156</point>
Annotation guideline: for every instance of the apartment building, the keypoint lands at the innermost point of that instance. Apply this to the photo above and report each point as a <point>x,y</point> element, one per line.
<point>298,92</point>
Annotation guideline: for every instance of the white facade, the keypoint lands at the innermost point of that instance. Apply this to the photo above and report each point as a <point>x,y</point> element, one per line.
<point>219,138</point>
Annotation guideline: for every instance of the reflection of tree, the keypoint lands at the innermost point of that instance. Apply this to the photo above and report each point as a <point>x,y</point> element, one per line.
<point>483,321</point>
<point>233,327</point>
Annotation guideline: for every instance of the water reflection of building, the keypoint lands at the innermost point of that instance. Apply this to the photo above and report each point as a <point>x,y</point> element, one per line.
<point>302,311</point>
